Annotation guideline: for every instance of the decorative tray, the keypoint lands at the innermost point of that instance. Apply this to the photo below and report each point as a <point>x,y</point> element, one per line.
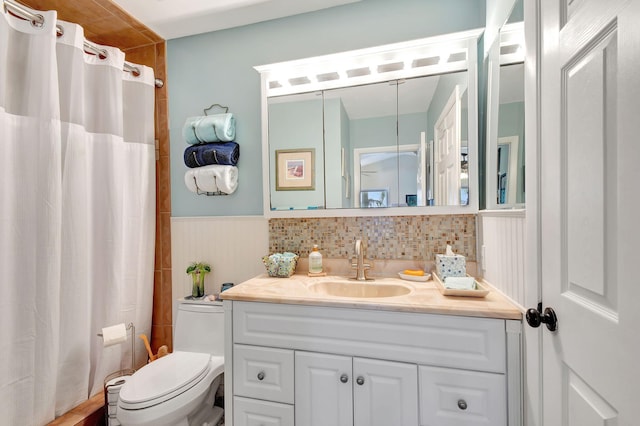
<point>480,291</point>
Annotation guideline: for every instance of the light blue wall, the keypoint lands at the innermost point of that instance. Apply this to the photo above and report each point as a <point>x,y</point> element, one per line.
<point>381,131</point>
<point>294,125</point>
<point>217,67</point>
<point>511,123</point>
<point>373,132</point>
<point>333,143</point>
<point>345,129</point>
<point>517,13</point>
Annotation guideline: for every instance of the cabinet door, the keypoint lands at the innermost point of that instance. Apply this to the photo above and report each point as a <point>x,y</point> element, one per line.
<point>450,397</point>
<point>323,390</point>
<point>385,393</point>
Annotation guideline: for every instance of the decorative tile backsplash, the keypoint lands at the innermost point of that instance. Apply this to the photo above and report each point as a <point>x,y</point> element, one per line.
<point>387,237</point>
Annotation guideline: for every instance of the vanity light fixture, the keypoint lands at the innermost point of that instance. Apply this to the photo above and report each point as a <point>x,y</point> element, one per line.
<point>512,47</point>
<point>328,76</point>
<point>410,60</point>
<point>511,53</point>
<point>358,72</point>
<point>425,62</point>
<point>458,56</point>
<point>413,58</point>
<point>508,49</point>
<point>297,81</point>
<point>396,66</point>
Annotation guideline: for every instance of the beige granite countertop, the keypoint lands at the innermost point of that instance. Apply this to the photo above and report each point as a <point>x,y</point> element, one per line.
<point>423,297</point>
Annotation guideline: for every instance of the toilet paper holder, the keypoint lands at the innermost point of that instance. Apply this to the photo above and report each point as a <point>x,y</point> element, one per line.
<point>131,327</point>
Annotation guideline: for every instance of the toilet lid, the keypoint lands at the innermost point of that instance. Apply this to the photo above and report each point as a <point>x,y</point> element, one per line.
<point>171,374</point>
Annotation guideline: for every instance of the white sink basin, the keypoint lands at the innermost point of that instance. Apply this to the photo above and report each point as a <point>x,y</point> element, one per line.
<point>358,289</point>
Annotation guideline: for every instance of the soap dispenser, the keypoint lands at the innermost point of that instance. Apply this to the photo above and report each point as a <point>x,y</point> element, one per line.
<point>315,261</point>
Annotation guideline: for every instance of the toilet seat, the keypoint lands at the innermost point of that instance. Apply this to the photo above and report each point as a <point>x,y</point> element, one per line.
<point>165,378</point>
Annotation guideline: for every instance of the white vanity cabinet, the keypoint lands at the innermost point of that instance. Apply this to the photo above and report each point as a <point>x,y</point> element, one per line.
<point>354,391</point>
<point>320,365</point>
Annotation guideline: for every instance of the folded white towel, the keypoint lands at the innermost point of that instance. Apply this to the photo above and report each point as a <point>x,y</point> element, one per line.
<point>460,283</point>
<point>199,184</point>
<point>212,178</point>
<point>226,178</point>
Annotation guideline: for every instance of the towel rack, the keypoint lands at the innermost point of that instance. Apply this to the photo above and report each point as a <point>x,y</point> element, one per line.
<point>222,107</point>
<point>210,194</point>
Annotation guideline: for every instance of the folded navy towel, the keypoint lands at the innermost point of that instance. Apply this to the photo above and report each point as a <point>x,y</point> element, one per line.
<point>224,153</point>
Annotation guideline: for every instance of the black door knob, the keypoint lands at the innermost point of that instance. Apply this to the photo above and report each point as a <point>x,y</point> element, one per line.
<point>535,317</point>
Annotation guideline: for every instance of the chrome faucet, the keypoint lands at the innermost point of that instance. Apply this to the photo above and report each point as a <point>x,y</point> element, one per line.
<point>360,266</point>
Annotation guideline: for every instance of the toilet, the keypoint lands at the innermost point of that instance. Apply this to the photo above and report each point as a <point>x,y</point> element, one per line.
<point>179,389</point>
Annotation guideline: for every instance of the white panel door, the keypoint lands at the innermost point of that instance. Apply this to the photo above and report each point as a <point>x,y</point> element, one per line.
<point>323,395</point>
<point>385,393</point>
<point>590,162</point>
<point>447,152</point>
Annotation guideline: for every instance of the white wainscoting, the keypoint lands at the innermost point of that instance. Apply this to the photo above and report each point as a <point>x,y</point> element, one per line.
<point>233,246</point>
<point>501,245</point>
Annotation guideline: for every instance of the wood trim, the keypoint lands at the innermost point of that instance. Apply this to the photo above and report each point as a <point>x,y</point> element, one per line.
<point>89,413</point>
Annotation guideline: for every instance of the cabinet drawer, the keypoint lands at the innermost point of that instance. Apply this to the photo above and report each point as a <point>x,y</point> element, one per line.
<point>263,373</point>
<point>450,397</point>
<point>251,412</point>
<point>446,341</point>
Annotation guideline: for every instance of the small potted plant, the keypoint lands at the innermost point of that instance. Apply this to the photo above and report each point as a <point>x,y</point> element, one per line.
<point>198,270</point>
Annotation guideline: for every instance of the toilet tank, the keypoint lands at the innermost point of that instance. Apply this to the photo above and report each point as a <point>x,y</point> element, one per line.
<point>199,328</point>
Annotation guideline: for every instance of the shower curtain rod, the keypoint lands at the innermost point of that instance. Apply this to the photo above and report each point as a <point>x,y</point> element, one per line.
<point>37,20</point>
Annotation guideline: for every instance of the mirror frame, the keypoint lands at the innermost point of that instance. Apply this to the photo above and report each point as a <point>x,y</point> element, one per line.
<point>428,56</point>
<point>510,34</point>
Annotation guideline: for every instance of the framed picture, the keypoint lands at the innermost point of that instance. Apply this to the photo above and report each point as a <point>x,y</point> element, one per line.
<point>295,169</point>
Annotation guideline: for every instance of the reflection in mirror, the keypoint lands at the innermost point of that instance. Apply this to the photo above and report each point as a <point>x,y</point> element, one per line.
<point>362,119</point>
<point>295,122</point>
<point>510,160</point>
<point>505,119</point>
<point>391,127</point>
<point>383,134</point>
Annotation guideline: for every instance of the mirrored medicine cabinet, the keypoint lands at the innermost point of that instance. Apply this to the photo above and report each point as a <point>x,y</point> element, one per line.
<point>390,130</point>
<point>505,166</point>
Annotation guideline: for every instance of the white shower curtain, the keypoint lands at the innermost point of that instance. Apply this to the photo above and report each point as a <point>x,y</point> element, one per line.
<point>77,216</point>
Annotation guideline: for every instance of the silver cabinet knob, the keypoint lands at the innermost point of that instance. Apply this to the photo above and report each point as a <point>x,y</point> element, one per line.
<point>261,375</point>
<point>462,404</point>
<point>360,380</point>
<point>344,378</point>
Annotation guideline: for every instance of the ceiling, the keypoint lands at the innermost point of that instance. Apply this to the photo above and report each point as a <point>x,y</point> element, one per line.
<point>179,18</point>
